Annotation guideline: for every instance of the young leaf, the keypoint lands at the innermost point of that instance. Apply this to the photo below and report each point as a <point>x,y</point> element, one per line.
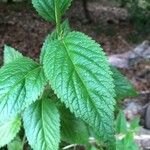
<point>73,130</point>
<point>79,74</point>
<point>65,27</point>
<point>16,144</point>
<point>127,143</point>
<point>10,54</point>
<point>53,36</point>
<point>123,87</point>
<point>21,82</point>
<point>49,9</point>
<point>42,125</point>
<point>8,130</point>
<point>135,123</point>
<point>121,123</point>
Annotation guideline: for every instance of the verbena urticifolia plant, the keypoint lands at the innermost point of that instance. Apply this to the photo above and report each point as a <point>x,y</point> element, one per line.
<point>69,95</point>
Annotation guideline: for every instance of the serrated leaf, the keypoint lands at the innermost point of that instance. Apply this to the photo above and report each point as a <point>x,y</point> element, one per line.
<point>73,130</point>
<point>79,74</point>
<point>8,130</point>
<point>42,125</point>
<point>10,54</point>
<point>53,36</point>
<point>21,82</point>
<point>123,87</point>
<point>49,9</point>
<point>121,123</point>
<point>16,144</point>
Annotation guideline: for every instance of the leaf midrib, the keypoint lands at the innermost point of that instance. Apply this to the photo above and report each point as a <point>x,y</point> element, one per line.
<point>79,76</point>
<point>19,82</point>
<point>42,119</point>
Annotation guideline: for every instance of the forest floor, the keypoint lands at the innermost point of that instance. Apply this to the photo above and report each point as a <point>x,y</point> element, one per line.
<point>23,29</point>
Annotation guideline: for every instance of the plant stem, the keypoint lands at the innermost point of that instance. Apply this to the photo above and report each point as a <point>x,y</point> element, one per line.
<point>23,142</point>
<point>57,17</point>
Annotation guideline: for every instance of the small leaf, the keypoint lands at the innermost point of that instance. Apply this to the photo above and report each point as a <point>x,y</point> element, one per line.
<point>8,130</point>
<point>42,125</point>
<point>49,9</point>
<point>10,54</point>
<point>53,36</point>
<point>121,123</point>
<point>123,87</point>
<point>16,144</point>
<point>79,74</point>
<point>134,125</point>
<point>65,27</point>
<point>73,130</point>
<point>21,82</point>
<point>127,143</point>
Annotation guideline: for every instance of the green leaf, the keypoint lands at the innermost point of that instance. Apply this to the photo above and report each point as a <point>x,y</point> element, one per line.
<point>10,54</point>
<point>127,143</point>
<point>42,125</point>
<point>8,130</point>
<point>53,36</point>
<point>123,87</point>
<point>16,144</point>
<point>134,125</point>
<point>73,130</point>
<point>121,123</point>
<point>21,82</point>
<point>49,9</point>
<point>79,74</point>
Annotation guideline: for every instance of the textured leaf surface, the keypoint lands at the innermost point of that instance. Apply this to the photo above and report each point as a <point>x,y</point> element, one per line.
<point>78,72</point>
<point>8,130</point>
<point>123,87</point>
<point>48,9</point>
<point>73,130</point>
<point>21,82</point>
<point>42,125</point>
<point>10,54</point>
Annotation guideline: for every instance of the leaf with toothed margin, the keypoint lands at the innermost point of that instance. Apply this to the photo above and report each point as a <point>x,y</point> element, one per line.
<point>65,30</point>
<point>123,87</point>
<point>10,54</point>
<point>8,130</point>
<point>78,72</point>
<point>49,9</point>
<point>42,125</point>
<point>21,82</point>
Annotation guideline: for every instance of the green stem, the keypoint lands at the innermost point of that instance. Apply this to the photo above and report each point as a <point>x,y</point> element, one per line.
<point>23,142</point>
<point>57,17</point>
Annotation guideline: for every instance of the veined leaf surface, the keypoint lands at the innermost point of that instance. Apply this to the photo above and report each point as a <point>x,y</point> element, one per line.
<point>8,130</point>
<point>49,9</point>
<point>21,82</point>
<point>79,74</point>
<point>42,125</point>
